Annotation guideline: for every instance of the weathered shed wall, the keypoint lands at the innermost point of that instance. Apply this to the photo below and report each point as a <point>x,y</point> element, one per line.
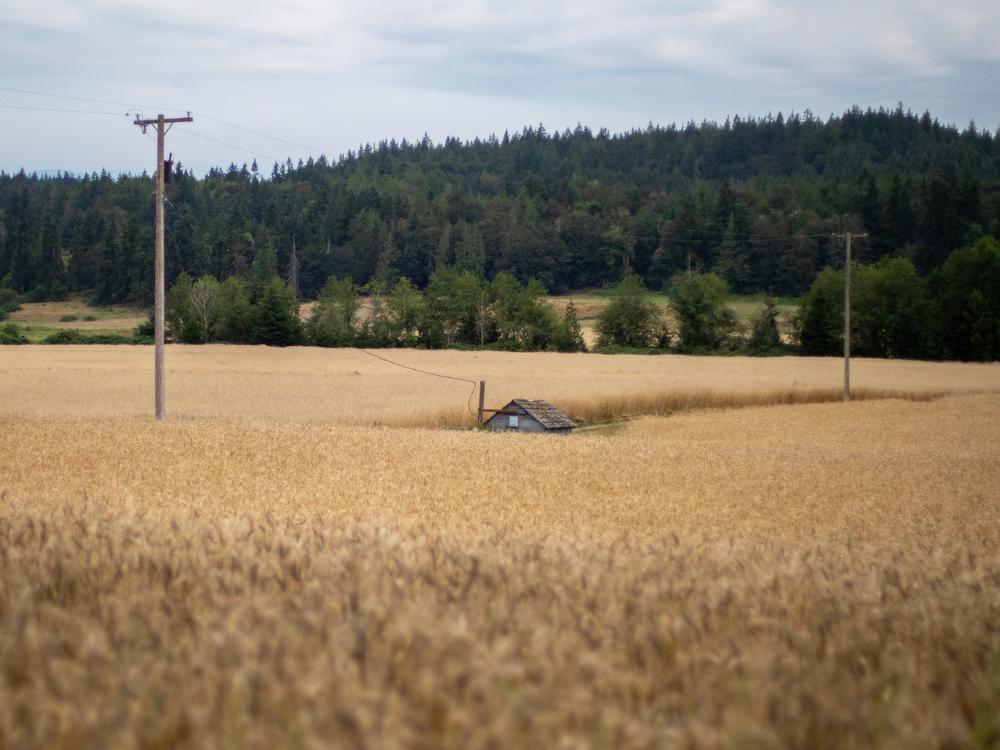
<point>525,423</point>
<point>531,416</point>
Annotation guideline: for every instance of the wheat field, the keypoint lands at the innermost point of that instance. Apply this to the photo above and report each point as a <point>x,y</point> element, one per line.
<point>805,575</point>
<point>347,386</point>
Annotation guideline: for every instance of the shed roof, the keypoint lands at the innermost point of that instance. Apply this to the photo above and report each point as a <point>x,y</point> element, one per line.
<point>546,414</point>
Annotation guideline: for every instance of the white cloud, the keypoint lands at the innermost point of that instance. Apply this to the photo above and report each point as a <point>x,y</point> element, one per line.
<point>347,71</point>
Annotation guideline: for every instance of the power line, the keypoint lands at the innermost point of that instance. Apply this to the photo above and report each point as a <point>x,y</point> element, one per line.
<point>73,111</point>
<point>231,145</point>
<point>167,109</point>
<point>468,403</point>
<point>263,135</point>
<point>85,99</point>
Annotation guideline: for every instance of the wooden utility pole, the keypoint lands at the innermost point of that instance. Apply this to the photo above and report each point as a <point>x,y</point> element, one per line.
<point>847,313</point>
<point>161,124</point>
<point>482,402</point>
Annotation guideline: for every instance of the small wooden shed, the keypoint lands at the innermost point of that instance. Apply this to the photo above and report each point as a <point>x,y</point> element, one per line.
<point>526,415</point>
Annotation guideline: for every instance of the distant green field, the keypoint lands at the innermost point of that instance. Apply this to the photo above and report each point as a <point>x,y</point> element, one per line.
<point>37,320</point>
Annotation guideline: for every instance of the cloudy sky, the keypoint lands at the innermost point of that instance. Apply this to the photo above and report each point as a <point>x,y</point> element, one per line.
<point>327,76</point>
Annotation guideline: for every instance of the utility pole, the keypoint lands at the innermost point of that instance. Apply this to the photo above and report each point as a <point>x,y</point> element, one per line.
<point>482,403</point>
<point>847,312</point>
<point>162,124</point>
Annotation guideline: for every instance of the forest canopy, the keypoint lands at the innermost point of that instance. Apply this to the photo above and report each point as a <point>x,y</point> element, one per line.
<point>753,201</point>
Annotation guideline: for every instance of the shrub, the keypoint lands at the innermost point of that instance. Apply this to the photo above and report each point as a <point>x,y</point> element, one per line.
<point>968,293</point>
<point>68,318</point>
<point>72,336</point>
<point>146,329</point>
<point>630,319</point>
<point>11,334</point>
<point>764,335</point>
<point>704,320</point>
<point>178,305</point>
<point>234,317</point>
<point>517,316</point>
<point>191,333</point>
<point>9,301</point>
<point>890,310</point>
<point>403,309</point>
<point>454,309</point>
<point>333,318</point>
<point>819,323</point>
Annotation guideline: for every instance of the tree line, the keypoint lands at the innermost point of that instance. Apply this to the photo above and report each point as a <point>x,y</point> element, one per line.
<point>457,308</point>
<point>752,200</point>
<point>953,313</point>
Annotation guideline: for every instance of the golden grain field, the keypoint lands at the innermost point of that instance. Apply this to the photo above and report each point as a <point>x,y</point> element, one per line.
<point>810,575</point>
<point>346,386</point>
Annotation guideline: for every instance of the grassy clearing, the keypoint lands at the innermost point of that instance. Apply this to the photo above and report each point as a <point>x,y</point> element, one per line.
<point>807,576</point>
<point>590,303</point>
<point>41,319</point>
<point>37,320</point>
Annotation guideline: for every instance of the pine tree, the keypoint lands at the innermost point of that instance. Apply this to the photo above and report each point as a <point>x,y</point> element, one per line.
<point>470,253</point>
<point>106,272</point>
<point>292,277</point>
<point>969,201</point>
<point>19,269</point>
<point>569,337</point>
<point>442,257</point>
<point>263,270</point>
<point>50,271</point>
<point>898,220</point>
<point>619,247</point>
<point>276,316</point>
<point>733,263</point>
<point>871,212</point>
<point>941,228</point>
<point>764,335</point>
<point>386,272</point>
<point>84,247</point>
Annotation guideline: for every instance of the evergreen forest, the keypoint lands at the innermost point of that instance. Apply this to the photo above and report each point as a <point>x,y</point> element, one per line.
<point>754,202</point>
